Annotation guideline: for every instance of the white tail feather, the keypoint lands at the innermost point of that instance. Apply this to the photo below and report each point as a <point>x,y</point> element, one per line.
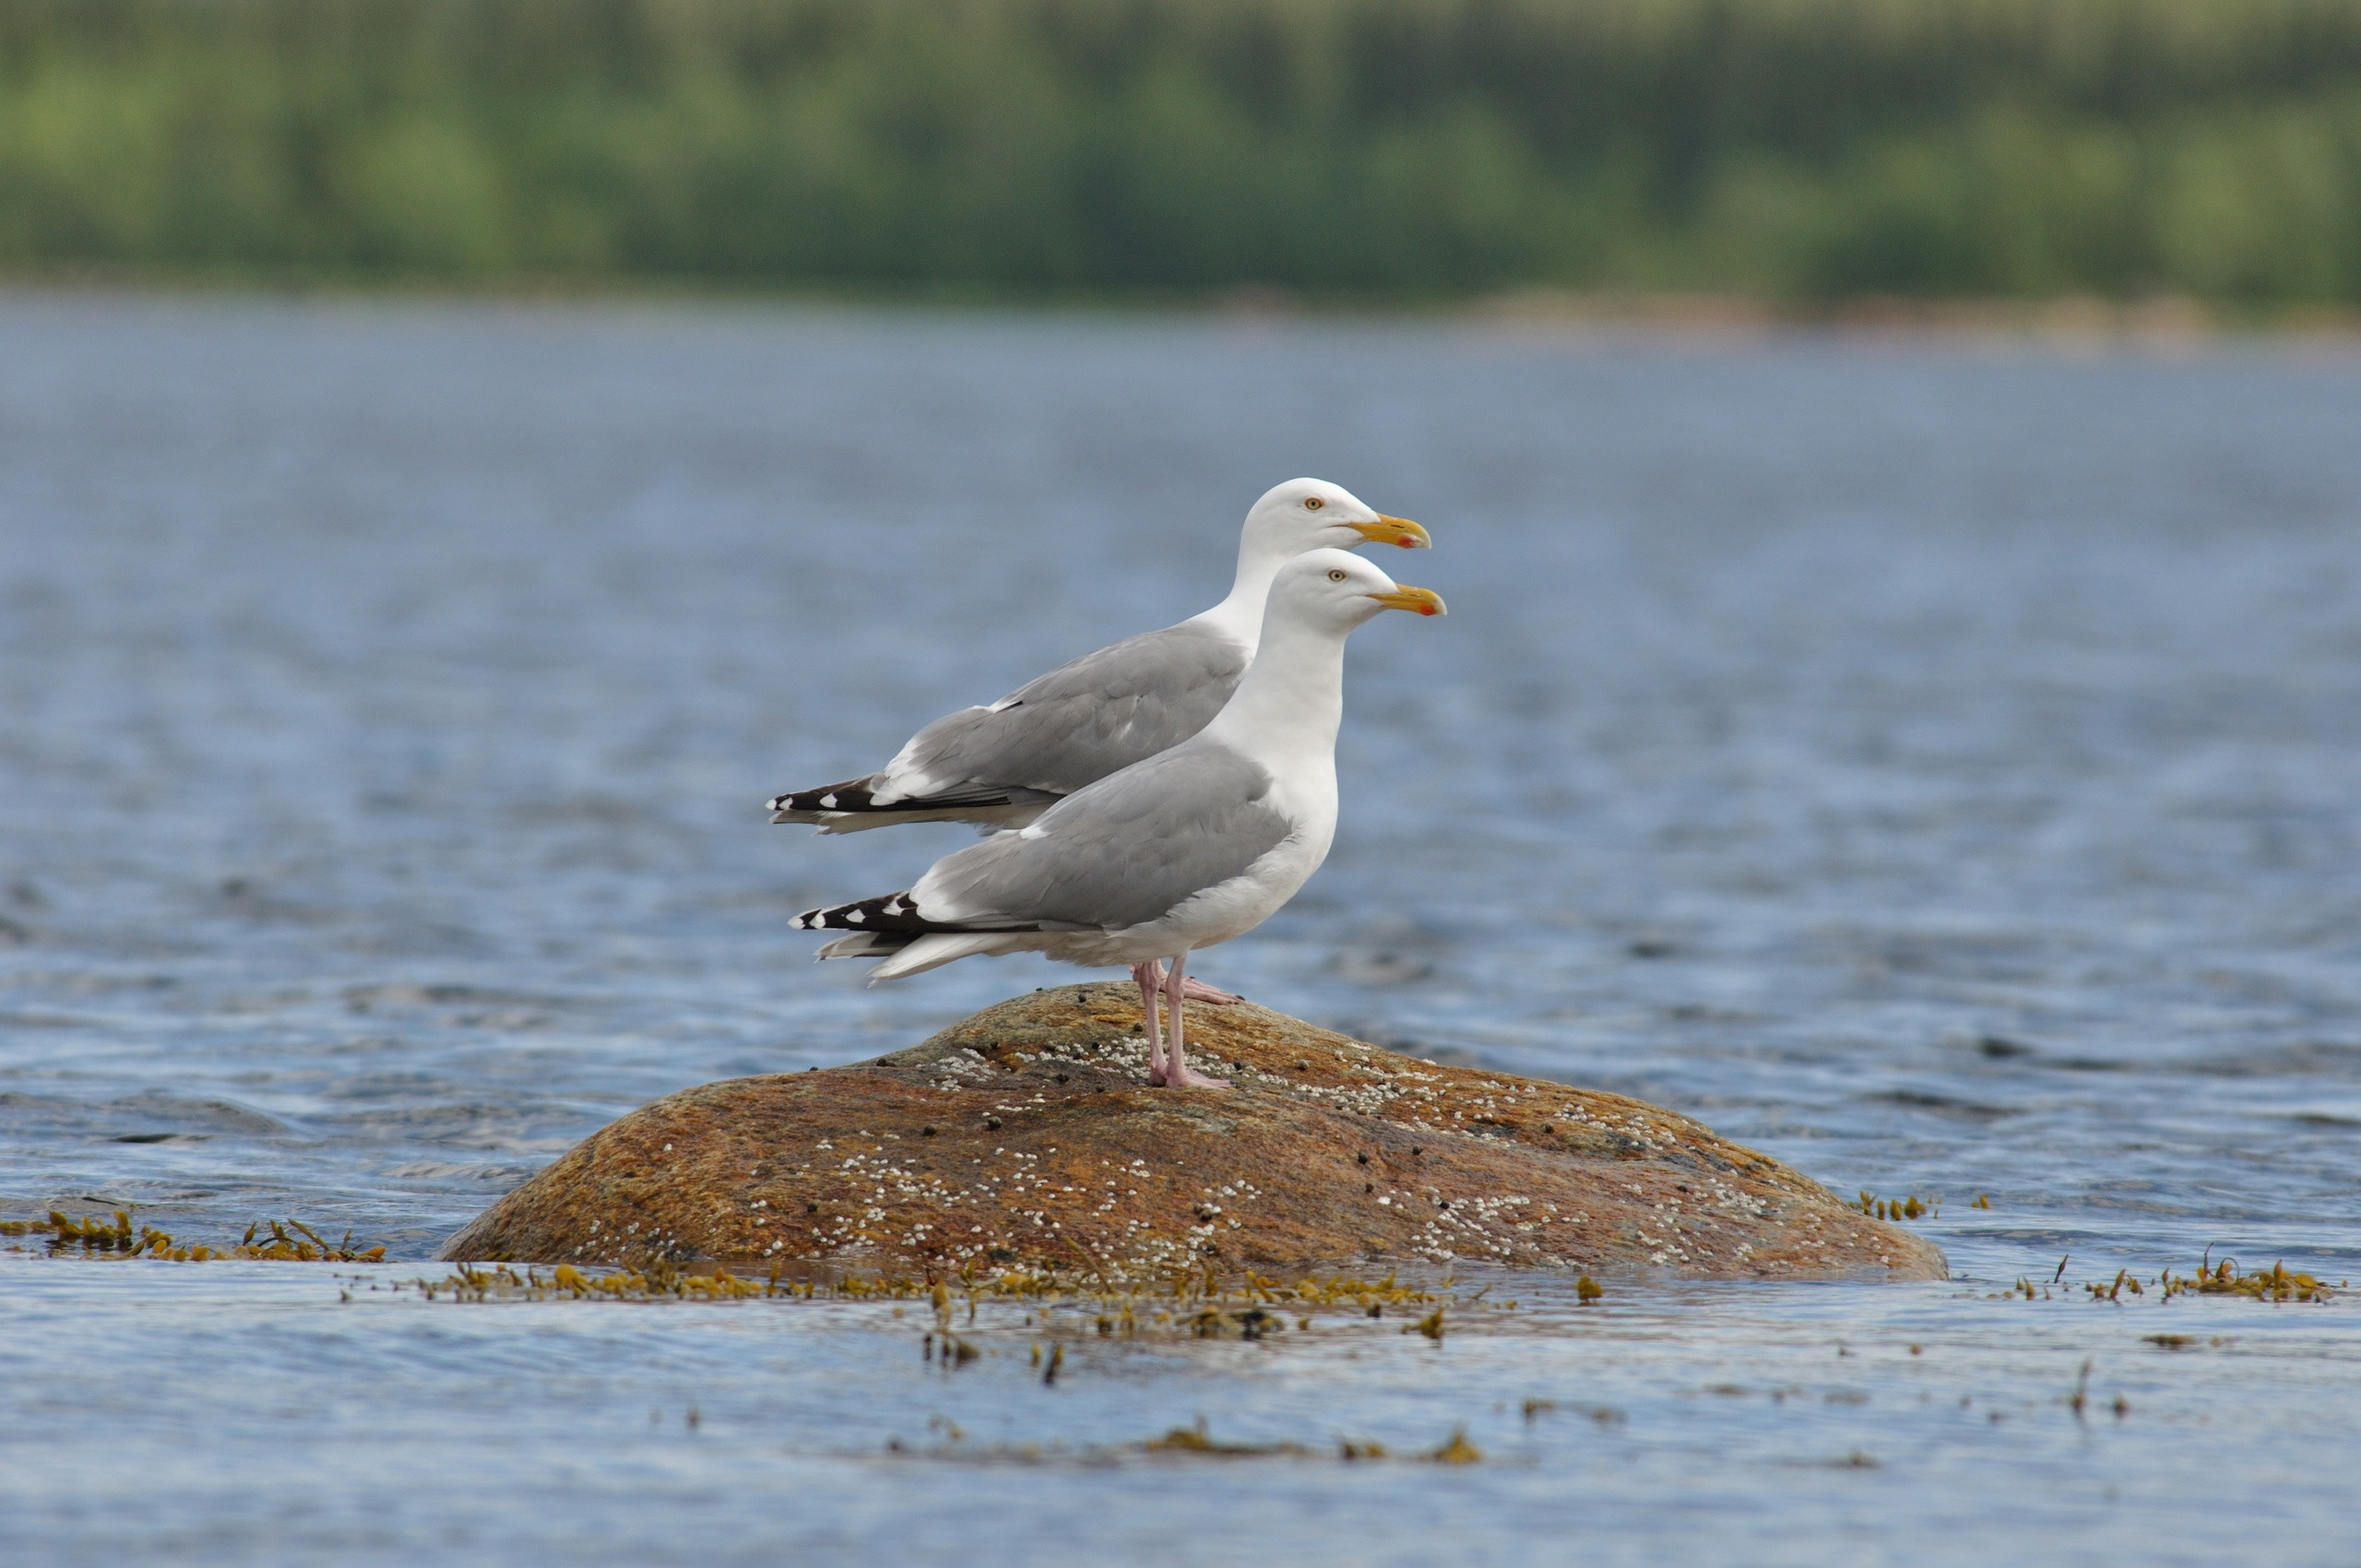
<point>931,952</point>
<point>851,946</point>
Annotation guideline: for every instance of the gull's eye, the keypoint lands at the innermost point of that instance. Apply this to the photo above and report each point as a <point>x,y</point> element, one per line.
<point>1313,503</point>
<point>1335,575</point>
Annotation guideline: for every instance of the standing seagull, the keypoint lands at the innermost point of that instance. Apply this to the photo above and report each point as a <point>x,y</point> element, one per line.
<point>1004,764</point>
<point>1192,847</point>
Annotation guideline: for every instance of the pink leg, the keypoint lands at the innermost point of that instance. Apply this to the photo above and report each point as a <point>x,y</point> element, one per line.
<point>1150,976</point>
<point>1152,973</point>
<point>1176,1067</point>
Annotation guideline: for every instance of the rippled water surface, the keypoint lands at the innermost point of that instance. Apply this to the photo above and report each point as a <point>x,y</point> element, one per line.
<point>1937,765</point>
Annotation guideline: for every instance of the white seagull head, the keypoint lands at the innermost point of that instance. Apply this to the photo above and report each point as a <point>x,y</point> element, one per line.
<point>1312,514</point>
<point>1335,591</point>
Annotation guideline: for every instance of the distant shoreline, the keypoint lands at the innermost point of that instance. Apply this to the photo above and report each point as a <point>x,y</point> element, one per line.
<point>2160,322</point>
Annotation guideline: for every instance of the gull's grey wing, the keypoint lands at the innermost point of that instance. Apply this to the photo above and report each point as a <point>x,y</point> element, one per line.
<point>1125,850</point>
<point>1076,724</point>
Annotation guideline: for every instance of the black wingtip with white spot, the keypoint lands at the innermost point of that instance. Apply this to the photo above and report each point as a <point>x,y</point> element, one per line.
<point>892,913</point>
<point>857,796</point>
<point>852,795</point>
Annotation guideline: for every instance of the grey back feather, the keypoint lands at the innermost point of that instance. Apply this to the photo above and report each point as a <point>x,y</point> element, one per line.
<point>1086,719</point>
<point>1123,851</point>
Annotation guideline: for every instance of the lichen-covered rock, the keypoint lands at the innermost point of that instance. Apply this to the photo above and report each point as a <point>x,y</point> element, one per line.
<point>1028,1136</point>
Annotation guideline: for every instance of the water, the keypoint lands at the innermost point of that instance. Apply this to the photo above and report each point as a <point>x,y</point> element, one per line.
<point>1933,763</point>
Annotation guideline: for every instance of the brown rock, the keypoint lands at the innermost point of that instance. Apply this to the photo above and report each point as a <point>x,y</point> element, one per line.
<point>1027,1137</point>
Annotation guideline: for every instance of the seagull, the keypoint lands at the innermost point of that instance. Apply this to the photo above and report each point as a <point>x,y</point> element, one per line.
<point>1004,764</point>
<point>1186,848</point>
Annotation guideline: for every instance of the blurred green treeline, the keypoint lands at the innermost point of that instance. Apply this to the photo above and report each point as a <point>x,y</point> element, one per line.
<point>1402,148</point>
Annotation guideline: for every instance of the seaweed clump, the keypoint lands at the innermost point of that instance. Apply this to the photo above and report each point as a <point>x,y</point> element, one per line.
<point>660,1280</point>
<point>95,1237</point>
<point>1200,1303</point>
<point>1911,1207</point>
<point>2223,1280</point>
<point>2275,1284</point>
<point>1197,1439</point>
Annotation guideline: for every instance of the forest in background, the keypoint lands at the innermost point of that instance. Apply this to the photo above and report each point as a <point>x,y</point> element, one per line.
<point>1798,149</point>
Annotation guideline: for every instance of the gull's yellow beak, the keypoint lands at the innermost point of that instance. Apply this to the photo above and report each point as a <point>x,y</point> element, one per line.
<point>1426,601</point>
<point>1393,531</point>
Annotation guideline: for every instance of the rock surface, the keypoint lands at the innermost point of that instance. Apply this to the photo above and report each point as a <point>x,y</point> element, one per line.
<point>1028,1136</point>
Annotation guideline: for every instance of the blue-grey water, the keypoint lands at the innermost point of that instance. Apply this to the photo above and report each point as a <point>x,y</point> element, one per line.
<point>1937,765</point>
